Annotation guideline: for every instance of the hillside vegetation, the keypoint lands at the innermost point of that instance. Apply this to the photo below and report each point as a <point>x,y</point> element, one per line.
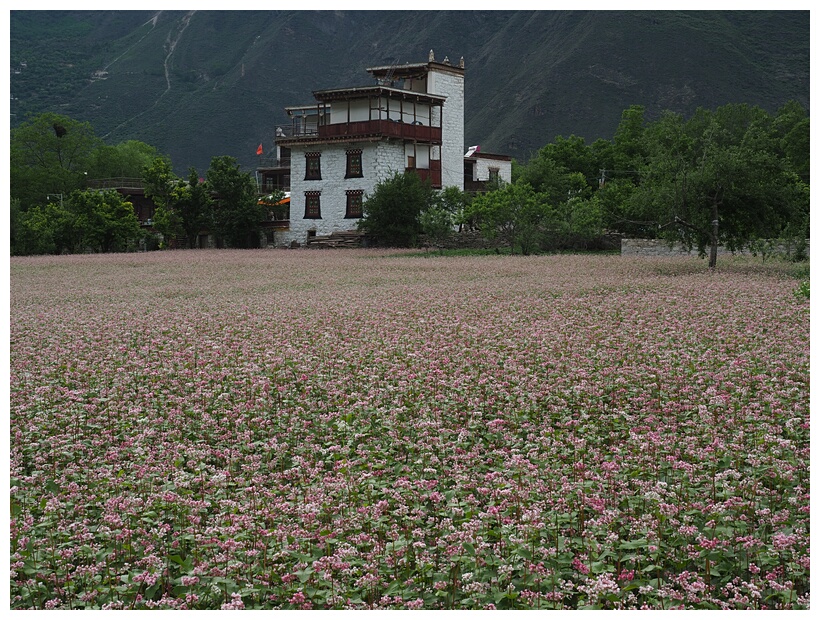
<point>204,83</point>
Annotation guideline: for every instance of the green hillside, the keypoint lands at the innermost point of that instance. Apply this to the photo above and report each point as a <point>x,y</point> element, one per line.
<point>205,83</point>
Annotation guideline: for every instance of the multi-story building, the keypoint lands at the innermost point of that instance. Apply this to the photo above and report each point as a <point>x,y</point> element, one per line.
<point>336,150</point>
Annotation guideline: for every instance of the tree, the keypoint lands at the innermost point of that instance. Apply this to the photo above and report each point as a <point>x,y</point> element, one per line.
<point>392,213</point>
<point>105,220</point>
<point>517,213</point>
<point>85,220</point>
<point>792,127</point>
<point>546,176</point>
<point>437,224</point>
<point>573,155</point>
<point>628,153</point>
<point>183,208</point>
<point>49,154</point>
<point>126,160</point>
<point>45,229</point>
<point>237,215</point>
<point>717,179</point>
<point>160,184</point>
<point>445,211</point>
<point>579,218</point>
<point>194,205</point>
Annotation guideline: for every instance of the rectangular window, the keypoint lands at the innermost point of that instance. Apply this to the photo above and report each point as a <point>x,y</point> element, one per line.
<point>313,169</point>
<point>354,164</point>
<point>493,174</point>
<point>354,203</point>
<point>313,210</point>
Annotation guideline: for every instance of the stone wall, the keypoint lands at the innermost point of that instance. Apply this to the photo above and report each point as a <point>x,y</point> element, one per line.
<point>659,247</point>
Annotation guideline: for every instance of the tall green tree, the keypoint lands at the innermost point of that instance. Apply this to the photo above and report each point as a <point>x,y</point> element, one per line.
<point>50,154</point>
<point>793,131</point>
<point>105,220</point>
<point>183,208</point>
<point>717,179</point>
<point>574,156</point>
<point>46,229</point>
<point>124,160</point>
<point>237,215</point>
<point>445,211</point>
<point>578,221</point>
<point>160,185</point>
<point>516,213</point>
<point>392,213</point>
<point>628,153</point>
<point>85,220</point>
<point>194,205</point>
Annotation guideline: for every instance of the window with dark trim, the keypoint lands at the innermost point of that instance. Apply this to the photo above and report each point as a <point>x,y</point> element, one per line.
<point>313,168</point>
<point>493,174</point>
<point>354,164</point>
<point>313,209</point>
<point>354,203</point>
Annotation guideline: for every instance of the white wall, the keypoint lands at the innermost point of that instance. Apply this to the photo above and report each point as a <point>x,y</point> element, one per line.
<point>450,85</point>
<point>482,168</point>
<point>380,160</point>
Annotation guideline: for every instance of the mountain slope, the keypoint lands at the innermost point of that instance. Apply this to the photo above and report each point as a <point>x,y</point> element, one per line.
<point>205,83</point>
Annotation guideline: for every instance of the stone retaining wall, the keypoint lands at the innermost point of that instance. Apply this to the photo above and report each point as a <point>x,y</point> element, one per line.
<point>659,247</point>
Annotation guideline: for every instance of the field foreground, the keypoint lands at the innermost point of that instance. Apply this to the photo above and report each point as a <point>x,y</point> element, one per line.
<point>351,429</point>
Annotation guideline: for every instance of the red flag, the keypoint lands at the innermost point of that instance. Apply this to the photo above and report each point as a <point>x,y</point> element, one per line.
<point>259,150</point>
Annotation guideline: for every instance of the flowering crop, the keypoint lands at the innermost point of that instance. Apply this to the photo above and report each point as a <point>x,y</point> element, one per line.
<point>349,429</point>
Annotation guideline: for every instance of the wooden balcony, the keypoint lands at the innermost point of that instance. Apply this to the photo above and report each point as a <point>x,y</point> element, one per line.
<point>385,128</point>
<point>433,174</point>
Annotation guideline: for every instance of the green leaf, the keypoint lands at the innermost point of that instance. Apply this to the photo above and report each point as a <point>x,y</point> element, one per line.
<point>304,575</point>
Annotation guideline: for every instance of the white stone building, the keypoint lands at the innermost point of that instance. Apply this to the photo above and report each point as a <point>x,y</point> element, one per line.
<point>339,148</point>
<point>482,168</point>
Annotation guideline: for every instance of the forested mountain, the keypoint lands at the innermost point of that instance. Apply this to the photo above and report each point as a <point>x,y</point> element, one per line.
<point>200,84</point>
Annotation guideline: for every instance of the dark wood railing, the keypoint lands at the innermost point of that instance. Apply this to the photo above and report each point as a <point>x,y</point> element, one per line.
<point>393,129</point>
<point>434,176</point>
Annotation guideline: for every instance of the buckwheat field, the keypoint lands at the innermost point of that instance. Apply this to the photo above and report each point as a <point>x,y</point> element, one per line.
<point>308,429</point>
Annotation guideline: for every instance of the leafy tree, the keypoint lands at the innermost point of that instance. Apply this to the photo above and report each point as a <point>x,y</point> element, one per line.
<point>392,213</point>
<point>618,212</point>
<point>437,223</point>
<point>445,211</point>
<point>546,176</point>
<point>105,220</point>
<point>792,127</point>
<point>160,184</point>
<point>579,218</point>
<point>237,213</point>
<point>15,223</point>
<point>516,213</point>
<point>628,153</point>
<point>127,159</point>
<point>49,154</point>
<point>85,220</point>
<point>45,229</point>
<point>183,208</point>
<point>194,205</point>
<point>573,155</point>
<point>159,180</point>
<point>717,179</point>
